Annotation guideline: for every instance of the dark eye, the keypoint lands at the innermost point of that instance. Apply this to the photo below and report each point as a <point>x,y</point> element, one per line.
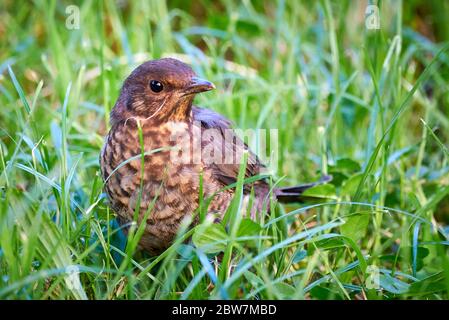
<point>156,86</point>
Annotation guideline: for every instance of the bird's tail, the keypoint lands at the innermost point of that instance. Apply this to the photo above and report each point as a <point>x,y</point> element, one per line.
<point>295,194</point>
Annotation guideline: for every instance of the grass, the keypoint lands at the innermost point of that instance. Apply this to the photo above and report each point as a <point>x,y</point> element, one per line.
<point>367,106</point>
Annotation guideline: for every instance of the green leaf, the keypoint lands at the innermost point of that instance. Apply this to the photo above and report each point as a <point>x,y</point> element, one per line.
<point>19,90</point>
<point>323,293</point>
<point>331,243</point>
<point>285,291</point>
<point>392,284</point>
<point>343,169</point>
<point>350,186</point>
<point>255,280</point>
<point>422,253</point>
<point>432,284</point>
<point>347,166</point>
<point>248,228</point>
<point>325,191</point>
<point>210,238</point>
<point>355,226</point>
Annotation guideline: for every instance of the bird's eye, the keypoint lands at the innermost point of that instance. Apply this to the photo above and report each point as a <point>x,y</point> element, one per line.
<point>156,86</point>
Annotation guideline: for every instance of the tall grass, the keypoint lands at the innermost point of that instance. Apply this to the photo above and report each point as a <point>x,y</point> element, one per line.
<point>366,106</point>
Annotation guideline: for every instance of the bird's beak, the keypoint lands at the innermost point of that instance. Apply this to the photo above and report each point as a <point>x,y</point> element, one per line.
<point>198,85</point>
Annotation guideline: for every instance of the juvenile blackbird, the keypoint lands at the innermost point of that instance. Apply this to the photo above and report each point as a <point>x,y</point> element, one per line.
<point>158,97</point>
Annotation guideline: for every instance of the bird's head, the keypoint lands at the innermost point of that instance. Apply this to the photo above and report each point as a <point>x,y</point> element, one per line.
<point>162,90</point>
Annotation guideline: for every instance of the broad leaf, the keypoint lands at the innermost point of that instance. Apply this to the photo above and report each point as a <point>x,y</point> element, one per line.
<point>210,238</point>
<point>355,226</point>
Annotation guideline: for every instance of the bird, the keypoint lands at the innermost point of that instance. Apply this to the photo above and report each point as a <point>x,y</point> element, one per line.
<point>151,167</point>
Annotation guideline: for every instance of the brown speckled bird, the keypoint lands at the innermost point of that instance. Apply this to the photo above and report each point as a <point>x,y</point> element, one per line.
<point>158,96</point>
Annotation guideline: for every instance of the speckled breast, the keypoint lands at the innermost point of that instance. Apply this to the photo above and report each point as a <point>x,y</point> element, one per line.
<point>168,185</point>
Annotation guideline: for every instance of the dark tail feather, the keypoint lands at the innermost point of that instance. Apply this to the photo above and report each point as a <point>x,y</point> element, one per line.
<point>294,194</point>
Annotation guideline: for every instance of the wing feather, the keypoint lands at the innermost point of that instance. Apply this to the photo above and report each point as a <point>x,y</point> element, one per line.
<point>229,143</point>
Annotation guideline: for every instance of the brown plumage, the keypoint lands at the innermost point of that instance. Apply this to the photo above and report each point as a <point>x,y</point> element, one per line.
<point>158,96</point>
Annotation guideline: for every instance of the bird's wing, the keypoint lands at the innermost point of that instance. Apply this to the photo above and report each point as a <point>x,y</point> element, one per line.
<point>225,172</point>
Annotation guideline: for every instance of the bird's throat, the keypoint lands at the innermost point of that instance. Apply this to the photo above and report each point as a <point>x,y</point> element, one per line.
<point>182,110</point>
